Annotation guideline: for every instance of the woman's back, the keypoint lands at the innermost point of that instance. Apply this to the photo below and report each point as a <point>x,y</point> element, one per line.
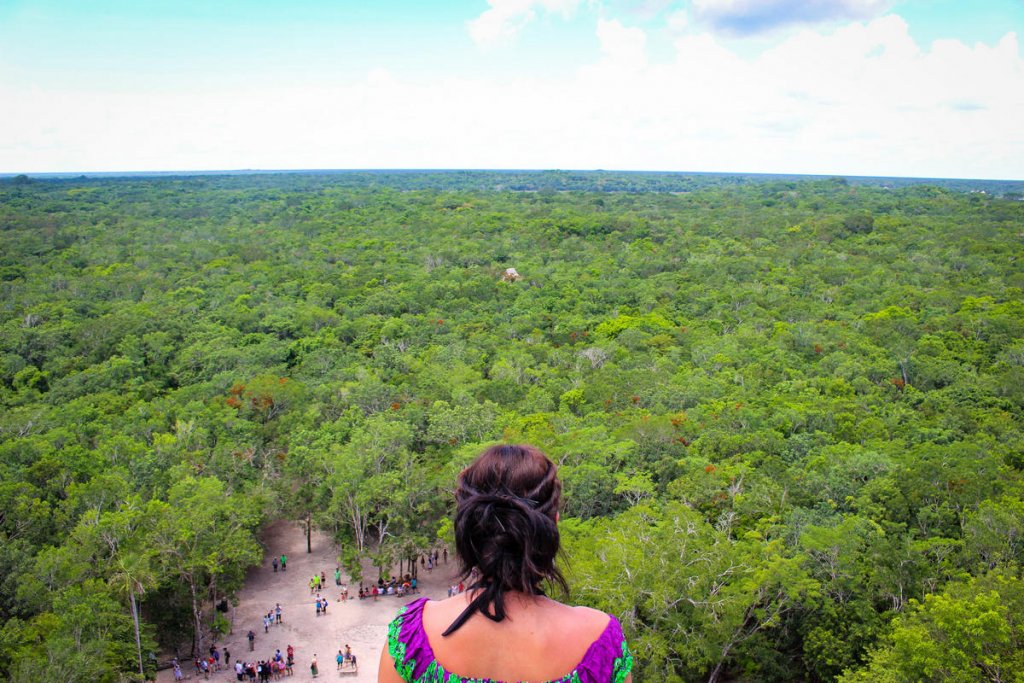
<point>504,628</point>
<point>540,640</point>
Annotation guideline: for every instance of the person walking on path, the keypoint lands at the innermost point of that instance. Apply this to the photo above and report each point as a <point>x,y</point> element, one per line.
<point>277,613</point>
<point>274,563</point>
<point>227,656</point>
<point>252,640</point>
<point>313,667</point>
<point>284,562</point>
<point>337,576</point>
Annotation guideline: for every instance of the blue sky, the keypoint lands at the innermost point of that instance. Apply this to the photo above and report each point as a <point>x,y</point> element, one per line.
<point>860,87</point>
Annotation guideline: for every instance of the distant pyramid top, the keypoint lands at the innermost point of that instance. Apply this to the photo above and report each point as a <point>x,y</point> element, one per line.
<point>511,275</point>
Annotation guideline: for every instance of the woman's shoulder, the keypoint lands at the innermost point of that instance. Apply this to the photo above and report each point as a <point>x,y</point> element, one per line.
<point>585,623</point>
<point>590,640</point>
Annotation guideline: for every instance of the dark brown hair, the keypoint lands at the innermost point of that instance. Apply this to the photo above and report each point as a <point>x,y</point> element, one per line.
<point>506,527</point>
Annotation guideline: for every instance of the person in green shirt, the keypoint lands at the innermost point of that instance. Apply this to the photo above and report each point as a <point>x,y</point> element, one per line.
<point>284,562</point>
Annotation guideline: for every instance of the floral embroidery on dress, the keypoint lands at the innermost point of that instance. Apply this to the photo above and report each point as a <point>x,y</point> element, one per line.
<point>397,649</point>
<point>623,665</point>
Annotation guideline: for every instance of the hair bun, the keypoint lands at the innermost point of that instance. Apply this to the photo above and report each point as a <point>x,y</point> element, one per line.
<point>505,526</point>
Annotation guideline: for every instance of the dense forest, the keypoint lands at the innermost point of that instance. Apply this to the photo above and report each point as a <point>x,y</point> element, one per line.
<point>789,414</point>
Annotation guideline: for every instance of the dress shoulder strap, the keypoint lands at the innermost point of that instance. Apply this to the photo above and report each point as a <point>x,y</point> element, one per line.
<point>407,643</point>
<point>609,659</point>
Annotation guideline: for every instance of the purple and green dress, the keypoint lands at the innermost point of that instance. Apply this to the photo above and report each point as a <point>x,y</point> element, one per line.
<point>607,660</point>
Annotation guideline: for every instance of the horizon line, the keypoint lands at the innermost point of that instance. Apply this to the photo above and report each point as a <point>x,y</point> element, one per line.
<point>282,171</point>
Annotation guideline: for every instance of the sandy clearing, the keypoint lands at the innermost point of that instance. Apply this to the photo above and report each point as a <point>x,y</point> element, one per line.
<point>362,624</point>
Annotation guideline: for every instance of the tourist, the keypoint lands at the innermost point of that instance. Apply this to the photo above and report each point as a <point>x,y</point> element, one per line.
<point>277,613</point>
<point>313,667</point>
<point>274,562</point>
<point>284,562</point>
<point>340,658</point>
<point>506,526</point>
<point>178,676</point>
<point>227,656</point>
<point>252,639</point>
<point>337,576</point>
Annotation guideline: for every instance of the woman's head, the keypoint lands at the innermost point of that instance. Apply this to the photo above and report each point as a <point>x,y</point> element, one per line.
<point>506,526</point>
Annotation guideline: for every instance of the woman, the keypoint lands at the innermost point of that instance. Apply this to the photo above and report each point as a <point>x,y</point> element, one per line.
<point>503,628</point>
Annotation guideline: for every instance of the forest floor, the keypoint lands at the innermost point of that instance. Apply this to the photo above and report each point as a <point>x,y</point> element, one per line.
<point>362,624</point>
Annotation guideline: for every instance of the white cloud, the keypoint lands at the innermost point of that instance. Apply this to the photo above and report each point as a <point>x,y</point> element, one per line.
<point>862,99</point>
<point>503,21</point>
<point>677,21</point>
<point>622,46</point>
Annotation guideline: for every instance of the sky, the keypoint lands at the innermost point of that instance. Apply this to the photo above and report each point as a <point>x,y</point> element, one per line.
<point>921,88</point>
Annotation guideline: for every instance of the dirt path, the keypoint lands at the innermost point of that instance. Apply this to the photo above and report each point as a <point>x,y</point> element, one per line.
<point>362,624</point>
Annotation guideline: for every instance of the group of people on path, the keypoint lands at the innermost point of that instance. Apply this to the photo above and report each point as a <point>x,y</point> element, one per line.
<point>401,588</point>
<point>280,665</point>
<point>346,658</point>
<point>271,618</point>
<point>274,667</point>
<point>204,665</point>
<point>431,560</point>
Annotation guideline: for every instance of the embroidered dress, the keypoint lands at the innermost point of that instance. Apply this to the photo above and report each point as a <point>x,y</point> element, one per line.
<point>607,660</point>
